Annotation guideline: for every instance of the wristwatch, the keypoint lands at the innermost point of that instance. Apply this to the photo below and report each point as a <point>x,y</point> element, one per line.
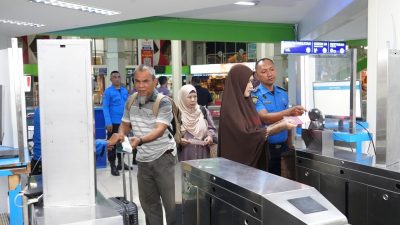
<point>140,141</point>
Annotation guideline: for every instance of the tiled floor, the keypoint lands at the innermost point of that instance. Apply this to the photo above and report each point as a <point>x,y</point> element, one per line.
<point>111,186</point>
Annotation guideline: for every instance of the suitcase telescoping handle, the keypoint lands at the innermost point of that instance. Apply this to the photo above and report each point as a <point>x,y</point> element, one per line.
<point>130,177</point>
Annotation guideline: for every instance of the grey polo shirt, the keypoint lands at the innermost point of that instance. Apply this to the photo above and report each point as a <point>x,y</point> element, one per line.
<point>143,122</point>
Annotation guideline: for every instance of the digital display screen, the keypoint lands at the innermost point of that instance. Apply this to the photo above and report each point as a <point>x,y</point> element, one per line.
<point>307,205</point>
<point>333,98</point>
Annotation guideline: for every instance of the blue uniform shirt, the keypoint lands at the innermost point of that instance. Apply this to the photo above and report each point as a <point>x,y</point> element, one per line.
<point>275,101</point>
<point>113,104</point>
<point>101,147</point>
<point>37,145</point>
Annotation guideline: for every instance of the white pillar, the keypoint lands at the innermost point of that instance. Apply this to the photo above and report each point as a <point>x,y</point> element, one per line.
<point>189,52</point>
<point>294,78</point>
<point>280,66</point>
<point>265,50</point>
<point>115,58</point>
<point>176,63</point>
<point>383,32</point>
<point>139,50</point>
<point>189,58</point>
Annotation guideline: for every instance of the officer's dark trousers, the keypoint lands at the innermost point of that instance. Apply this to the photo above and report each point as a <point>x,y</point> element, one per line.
<point>275,151</point>
<point>112,155</point>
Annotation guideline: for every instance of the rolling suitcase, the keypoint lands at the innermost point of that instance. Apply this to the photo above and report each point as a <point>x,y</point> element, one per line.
<point>128,209</point>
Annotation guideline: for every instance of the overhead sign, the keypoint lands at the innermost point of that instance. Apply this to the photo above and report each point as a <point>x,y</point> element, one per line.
<point>147,52</point>
<point>147,44</point>
<point>313,47</point>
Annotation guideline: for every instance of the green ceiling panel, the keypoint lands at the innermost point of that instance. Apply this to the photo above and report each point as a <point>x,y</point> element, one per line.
<point>167,28</point>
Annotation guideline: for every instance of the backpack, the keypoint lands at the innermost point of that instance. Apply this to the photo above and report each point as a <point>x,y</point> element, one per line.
<point>203,110</point>
<point>176,121</point>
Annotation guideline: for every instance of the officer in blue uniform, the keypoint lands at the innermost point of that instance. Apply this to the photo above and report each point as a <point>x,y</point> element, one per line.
<point>114,99</point>
<point>272,106</point>
<point>36,162</point>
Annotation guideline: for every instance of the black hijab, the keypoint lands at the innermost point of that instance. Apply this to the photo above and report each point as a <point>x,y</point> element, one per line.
<point>241,135</point>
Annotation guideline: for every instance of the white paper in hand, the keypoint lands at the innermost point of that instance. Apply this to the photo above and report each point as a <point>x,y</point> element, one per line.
<point>126,145</point>
<point>298,120</point>
<point>197,142</point>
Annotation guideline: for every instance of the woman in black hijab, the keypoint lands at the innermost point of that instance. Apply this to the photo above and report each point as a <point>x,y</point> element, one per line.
<point>241,134</point>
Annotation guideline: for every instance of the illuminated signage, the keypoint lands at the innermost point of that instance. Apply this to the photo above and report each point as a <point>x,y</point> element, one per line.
<point>313,47</point>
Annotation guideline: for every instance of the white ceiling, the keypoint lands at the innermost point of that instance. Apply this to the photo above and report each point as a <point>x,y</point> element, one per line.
<point>55,18</point>
<point>271,11</point>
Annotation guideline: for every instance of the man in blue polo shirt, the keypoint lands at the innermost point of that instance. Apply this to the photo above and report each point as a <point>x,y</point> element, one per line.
<point>114,99</point>
<point>272,106</point>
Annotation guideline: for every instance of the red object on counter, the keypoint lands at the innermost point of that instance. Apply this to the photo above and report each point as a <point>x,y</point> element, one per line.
<point>215,113</point>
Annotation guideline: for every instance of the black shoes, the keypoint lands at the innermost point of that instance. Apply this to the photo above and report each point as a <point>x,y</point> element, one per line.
<point>119,167</point>
<point>114,170</point>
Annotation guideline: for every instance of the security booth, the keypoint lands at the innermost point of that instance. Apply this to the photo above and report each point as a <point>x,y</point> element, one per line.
<point>335,152</point>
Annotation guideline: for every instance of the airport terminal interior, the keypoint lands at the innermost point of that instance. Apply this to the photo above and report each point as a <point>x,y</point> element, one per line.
<point>327,70</point>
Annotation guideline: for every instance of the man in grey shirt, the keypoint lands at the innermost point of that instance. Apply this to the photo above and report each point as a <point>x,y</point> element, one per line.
<point>156,148</point>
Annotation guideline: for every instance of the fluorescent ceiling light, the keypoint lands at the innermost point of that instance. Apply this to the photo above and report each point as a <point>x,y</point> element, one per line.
<point>247,3</point>
<point>79,7</point>
<point>21,23</point>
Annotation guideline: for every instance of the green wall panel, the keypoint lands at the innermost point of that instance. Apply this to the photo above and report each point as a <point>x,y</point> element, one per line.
<point>31,69</point>
<point>185,70</point>
<point>362,64</point>
<point>167,28</point>
<point>356,43</point>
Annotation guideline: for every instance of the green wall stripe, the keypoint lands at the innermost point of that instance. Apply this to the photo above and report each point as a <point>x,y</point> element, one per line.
<point>167,28</point>
<point>362,64</point>
<point>185,70</point>
<point>355,43</point>
<point>31,69</point>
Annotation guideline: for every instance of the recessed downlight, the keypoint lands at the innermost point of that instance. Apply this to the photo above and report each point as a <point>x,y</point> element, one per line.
<point>247,3</point>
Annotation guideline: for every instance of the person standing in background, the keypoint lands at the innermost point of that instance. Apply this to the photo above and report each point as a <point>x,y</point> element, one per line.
<point>272,105</point>
<point>133,89</point>
<point>203,95</point>
<point>36,162</point>
<point>197,124</point>
<point>163,89</point>
<point>114,99</point>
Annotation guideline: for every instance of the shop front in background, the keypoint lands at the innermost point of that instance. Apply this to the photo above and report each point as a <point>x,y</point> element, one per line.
<point>212,77</point>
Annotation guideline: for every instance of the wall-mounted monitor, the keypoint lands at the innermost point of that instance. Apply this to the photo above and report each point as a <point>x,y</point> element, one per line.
<point>333,98</point>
